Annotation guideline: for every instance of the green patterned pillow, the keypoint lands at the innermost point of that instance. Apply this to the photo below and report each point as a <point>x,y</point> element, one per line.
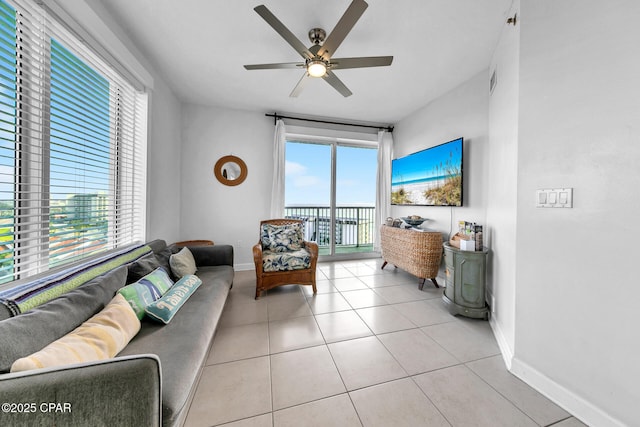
<point>146,290</point>
<point>166,307</point>
<point>160,279</point>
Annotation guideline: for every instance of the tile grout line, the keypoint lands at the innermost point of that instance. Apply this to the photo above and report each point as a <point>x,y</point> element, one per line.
<point>326,344</point>
<point>346,390</point>
<point>429,399</point>
<point>334,361</point>
<point>411,377</point>
<point>336,365</point>
<point>498,391</point>
<point>559,421</point>
<point>270,367</point>
<point>383,346</point>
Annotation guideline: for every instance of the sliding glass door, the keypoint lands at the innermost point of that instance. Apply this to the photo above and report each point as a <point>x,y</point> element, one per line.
<point>331,186</point>
<point>308,190</point>
<point>355,191</point>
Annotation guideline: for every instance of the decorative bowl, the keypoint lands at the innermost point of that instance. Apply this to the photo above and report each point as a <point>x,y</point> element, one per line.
<point>414,222</point>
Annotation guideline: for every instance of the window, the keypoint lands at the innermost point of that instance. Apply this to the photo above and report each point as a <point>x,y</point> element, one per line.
<point>7,138</point>
<point>332,186</point>
<point>72,147</point>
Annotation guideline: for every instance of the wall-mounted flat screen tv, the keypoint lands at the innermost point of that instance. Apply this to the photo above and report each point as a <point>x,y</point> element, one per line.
<point>431,177</point>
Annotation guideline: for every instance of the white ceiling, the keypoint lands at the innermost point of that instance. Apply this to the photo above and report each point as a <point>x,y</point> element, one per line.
<point>200,46</point>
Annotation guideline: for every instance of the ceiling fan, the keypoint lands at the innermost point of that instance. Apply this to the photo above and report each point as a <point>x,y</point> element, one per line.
<point>318,59</point>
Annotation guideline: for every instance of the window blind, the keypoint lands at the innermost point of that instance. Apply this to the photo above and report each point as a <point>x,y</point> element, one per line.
<point>72,147</point>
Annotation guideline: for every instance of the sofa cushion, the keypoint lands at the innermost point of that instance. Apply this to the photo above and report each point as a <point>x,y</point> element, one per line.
<point>183,263</point>
<point>101,337</point>
<point>163,259</point>
<point>146,290</point>
<point>25,296</point>
<point>285,261</point>
<point>123,391</point>
<point>281,238</point>
<point>29,332</point>
<point>168,305</point>
<point>212,255</point>
<point>157,245</point>
<point>140,268</point>
<point>186,340</point>
<point>5,312</point>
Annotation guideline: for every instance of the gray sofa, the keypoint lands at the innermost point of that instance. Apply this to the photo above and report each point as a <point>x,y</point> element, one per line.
<point>151,382</point>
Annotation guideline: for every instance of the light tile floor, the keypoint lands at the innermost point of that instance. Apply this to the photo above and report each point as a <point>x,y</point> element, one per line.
<point>369,349</point>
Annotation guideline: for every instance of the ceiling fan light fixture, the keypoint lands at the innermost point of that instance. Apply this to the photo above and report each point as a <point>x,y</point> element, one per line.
<point>316,68</point>
<point>318,59</point>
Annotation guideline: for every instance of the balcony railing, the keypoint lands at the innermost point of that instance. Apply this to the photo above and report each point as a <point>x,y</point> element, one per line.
<point>353,232</point>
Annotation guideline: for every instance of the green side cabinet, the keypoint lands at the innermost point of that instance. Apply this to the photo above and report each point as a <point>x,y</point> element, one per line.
<point>465,278</point>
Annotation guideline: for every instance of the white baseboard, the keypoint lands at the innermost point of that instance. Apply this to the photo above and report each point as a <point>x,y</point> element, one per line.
<point>244,267</point>
<point>583,410</point>
<point>505,350</point>
<point>572,403</point>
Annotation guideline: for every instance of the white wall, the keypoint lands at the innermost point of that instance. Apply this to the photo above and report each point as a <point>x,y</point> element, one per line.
<point>461,112</point>
<point>164,166</point>
<point>501,185</point>
<point>577,327</point>
<point>214,211</point>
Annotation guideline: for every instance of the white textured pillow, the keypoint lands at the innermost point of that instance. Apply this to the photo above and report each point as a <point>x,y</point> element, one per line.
<point>101,337</point>
<point>182,263</point>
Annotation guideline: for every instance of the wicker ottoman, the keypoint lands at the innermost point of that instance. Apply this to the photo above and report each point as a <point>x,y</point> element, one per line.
<point>417,252</point>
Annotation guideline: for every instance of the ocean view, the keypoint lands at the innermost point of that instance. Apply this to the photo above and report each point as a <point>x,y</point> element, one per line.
<point>430,179</point>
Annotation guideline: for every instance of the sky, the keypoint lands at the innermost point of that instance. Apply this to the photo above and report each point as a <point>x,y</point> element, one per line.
<point>427,163</point>
<point>7,103</point>
<point>308,175</point>
<point>79,125</point>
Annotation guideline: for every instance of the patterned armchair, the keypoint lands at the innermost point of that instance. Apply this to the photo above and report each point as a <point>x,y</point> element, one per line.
<point>283,257</point>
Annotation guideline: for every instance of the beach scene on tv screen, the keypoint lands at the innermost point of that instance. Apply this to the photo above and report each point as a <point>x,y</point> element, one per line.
<point>431,177</point>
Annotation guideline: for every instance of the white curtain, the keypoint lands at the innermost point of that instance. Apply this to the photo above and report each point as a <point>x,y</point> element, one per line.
<point>383,183</point>
<point>277,189</point>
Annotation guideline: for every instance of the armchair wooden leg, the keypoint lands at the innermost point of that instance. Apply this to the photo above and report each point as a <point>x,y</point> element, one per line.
<point>421,283</point>
<point>434,282</point>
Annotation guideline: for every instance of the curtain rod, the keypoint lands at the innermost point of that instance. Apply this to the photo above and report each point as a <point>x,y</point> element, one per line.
<point>277,116</point>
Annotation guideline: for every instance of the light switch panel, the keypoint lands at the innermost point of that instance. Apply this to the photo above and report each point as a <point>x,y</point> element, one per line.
<point>542,197</point>
<point>562,197</point>
<point>554,198</point>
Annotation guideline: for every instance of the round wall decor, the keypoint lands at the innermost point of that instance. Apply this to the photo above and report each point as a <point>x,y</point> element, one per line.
<point>230,170</point>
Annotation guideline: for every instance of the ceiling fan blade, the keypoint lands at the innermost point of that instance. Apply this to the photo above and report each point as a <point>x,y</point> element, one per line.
<point>284,32</point>
<point>303,81</point>
<point>365,61</point>
<point>337,84</point>
<point>278,66</point>
<point>342,28</point>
